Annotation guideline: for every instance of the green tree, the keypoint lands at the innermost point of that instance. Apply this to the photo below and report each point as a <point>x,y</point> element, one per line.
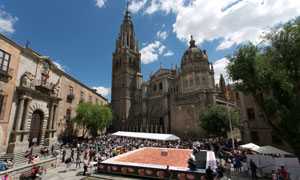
<point>93,117</point>
<point>271,73</point>
<point>214,119</point>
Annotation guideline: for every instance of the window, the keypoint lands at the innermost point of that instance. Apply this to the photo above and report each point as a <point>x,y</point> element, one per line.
<point>160,86</point>
<point>70,90</point>
<point>43,79</point>
<point>4,60</point>
<point>250,113</point>
<point>68,115</point>
<point>254,137</point>
<point>96,101</point>
<point>81,96</point>
<point>90,99</point>
<point>1,103</point>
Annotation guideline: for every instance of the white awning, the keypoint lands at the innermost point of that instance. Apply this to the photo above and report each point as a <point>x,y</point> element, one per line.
<point>250,146</point>
<point>271,150</point>
<point>154,136</point>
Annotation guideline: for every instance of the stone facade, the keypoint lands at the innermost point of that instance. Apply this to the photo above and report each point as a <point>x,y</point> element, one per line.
<point>38,104</point>
<point>7,84</point>
<point>169,101</point>
<point>254,127</point>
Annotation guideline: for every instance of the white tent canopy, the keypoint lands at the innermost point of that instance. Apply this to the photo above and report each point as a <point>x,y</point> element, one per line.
<point>153,136</point>
<point>271,150</point>
<point>250,146</point>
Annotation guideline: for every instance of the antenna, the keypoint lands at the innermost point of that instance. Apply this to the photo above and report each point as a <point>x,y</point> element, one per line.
<point>127,5</point>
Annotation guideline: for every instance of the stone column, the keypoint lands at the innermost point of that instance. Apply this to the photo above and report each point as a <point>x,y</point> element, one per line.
<point>54,121</point>
<point>25,120</point>
<point>19,113</point>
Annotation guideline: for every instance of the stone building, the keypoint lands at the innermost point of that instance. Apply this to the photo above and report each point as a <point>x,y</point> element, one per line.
<point>38,100</point>
<point>254,127</point>
<point>169,101</point>
<point>9,63</point>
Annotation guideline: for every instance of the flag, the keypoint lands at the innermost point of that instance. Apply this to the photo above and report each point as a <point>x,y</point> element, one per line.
<point>58,81</point>
<point>226,93</point>
<point>48,75</point>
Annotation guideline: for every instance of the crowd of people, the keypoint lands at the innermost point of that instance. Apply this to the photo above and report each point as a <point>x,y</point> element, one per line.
<point>104,147</point>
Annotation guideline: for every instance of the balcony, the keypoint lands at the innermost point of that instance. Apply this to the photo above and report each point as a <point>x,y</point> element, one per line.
<point>7,75</point>
<point>70,98</point>
<point>43,87</point>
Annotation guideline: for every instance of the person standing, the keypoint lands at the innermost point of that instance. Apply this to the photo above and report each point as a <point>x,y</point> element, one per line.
<point>253,168</point>
<point>63,155</point>
<point>69,163</point>
<point>78,160</point>
<point>209,174</point>
<point>86,164</point>
<point>283,174</point>
<point>169,174</point>
<point>7,177</point>
<point>245,168</point>
<point>228,168</point>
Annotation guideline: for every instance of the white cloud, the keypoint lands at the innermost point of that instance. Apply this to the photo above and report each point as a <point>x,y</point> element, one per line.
<point>102,90</point>
<point>100,3</point>
<point>169,53</point>
<point>150,52</point>
<point>220,68</point>
<point>165,6</point>
<point>61,67</point>
<point>229,22</point>
<point>163,35</point>
<point>137,5</point>
<point>7,22</point>
<point>161,49</point>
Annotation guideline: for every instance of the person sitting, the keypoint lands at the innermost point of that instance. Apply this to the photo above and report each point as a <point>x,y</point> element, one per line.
<point>10,163</point>
<point>3,165</point>
<point>26,154</point>
<point>36,159</point>
<point>42,150</point>
<point>192,162</point>
<point>35,172</point>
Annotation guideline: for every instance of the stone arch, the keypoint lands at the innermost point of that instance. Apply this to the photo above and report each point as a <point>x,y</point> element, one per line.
<point>157,115</point>
<point>42,107</point>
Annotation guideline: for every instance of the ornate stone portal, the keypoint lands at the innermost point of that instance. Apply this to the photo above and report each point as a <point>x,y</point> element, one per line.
<point>36,115</point>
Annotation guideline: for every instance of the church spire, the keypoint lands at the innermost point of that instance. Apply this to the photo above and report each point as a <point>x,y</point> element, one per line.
<point>126,37</point>
<point>127,17</point>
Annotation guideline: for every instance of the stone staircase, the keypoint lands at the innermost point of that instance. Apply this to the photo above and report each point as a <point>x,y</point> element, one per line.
<point>19,157</point>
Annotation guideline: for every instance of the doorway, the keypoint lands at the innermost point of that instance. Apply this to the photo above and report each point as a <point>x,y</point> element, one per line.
<point>36,128</point>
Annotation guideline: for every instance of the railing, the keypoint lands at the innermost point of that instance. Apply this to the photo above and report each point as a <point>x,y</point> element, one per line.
<point>9,73</point>
<point>43,84</point>
<point>70,96</point>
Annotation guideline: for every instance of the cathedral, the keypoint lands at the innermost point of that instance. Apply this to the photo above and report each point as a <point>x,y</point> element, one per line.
<point>170,100</point>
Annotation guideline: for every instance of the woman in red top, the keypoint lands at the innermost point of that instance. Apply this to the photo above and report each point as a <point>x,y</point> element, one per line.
<point>283,174</point>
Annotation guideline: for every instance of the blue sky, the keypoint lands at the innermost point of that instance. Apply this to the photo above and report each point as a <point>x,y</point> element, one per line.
<point>80,35</point>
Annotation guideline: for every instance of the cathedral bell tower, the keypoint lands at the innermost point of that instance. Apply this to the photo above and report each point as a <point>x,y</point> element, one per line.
<point>126,76</point>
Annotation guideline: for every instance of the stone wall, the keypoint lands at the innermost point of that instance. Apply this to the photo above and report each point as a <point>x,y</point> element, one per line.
<point>17,172</point>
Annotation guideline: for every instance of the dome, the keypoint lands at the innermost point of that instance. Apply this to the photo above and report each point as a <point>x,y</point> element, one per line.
<point>192,55</point>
